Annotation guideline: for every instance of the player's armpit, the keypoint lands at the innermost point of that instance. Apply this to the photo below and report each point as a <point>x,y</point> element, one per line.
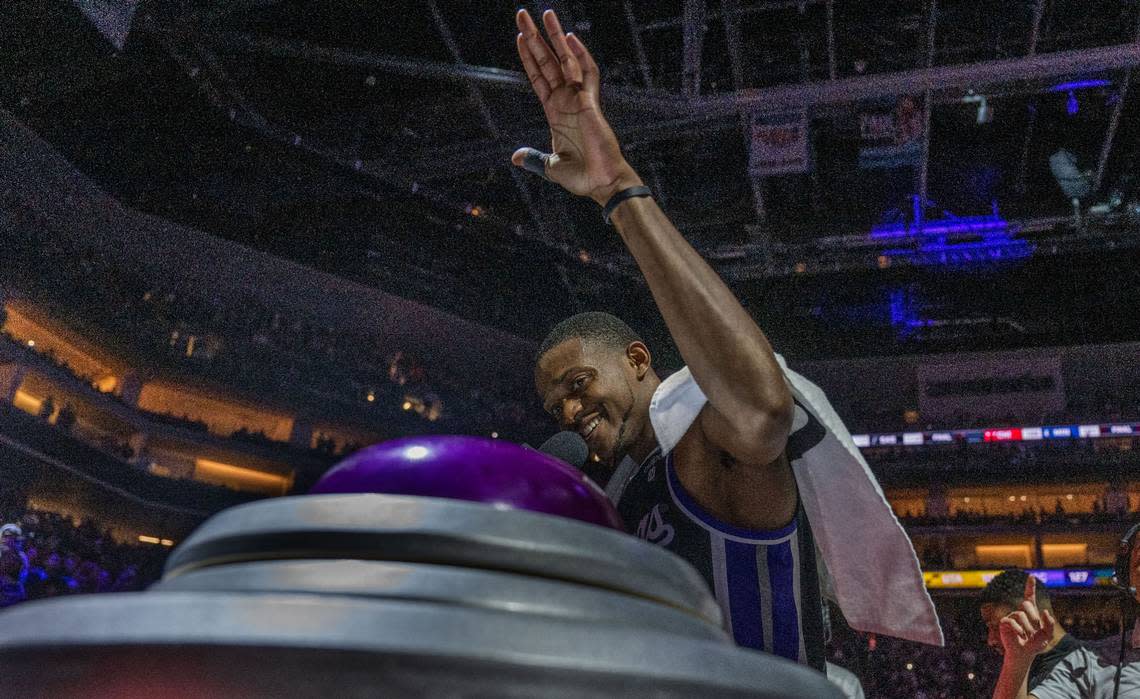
<point>755,441</point>
<point>745,494</point>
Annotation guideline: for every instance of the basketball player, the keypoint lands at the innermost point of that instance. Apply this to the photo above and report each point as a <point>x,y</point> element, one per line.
<point>704,460</point>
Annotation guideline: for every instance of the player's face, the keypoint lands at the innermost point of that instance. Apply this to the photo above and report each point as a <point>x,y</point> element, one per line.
<point>591,391</point>
<point>992,614</point>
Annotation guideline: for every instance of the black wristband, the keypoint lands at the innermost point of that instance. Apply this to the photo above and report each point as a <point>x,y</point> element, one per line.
<point>627,193</point>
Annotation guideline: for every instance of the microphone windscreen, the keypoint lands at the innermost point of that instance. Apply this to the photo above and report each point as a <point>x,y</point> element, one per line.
<point>567,446</point>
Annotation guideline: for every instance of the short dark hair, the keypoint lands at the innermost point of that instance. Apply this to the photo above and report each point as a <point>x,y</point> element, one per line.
<point>1008,588</point>
<point>597,327</point>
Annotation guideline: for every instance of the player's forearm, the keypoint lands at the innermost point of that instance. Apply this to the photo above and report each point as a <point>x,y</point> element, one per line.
<point>1013,680</point>
<point>729,355</point>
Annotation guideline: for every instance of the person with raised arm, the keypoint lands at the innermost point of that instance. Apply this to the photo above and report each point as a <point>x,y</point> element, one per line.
<point>1029,631</point>
<point>735,463</point>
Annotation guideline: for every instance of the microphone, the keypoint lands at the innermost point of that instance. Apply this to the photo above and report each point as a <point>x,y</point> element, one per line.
<point>567,446</point>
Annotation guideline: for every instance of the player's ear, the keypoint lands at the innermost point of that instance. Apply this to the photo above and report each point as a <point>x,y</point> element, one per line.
<point>639,358</point>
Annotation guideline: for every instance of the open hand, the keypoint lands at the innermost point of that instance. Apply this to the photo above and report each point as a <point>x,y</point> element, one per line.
<point>1027,631</point>
<point>585,156</point>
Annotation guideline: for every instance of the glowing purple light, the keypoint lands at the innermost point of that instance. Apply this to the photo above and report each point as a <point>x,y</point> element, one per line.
<point>1079,85</point>
<point>938,242</point>
<point>972,224</point>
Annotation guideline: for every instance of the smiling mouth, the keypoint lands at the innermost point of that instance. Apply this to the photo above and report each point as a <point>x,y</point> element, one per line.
<point>590,427</point>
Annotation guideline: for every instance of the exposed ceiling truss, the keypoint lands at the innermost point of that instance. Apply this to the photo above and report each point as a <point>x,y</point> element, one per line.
<point>651,113</point>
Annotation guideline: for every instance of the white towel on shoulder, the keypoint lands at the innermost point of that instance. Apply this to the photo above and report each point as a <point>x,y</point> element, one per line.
<point>870,568</point>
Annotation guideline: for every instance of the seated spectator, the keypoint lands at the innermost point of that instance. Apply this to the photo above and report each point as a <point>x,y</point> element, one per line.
<point>13,566</point>
<point>50,579</point>
<point>66,418</point>
<point>66,558</point>
<point>47,408</point>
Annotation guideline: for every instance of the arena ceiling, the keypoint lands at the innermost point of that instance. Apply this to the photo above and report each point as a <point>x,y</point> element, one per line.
<point>373,140</point>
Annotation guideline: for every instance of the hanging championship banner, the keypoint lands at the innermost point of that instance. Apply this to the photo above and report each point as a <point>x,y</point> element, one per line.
<point>780,148</point>
<point>1029,389</point>
<point>891,137</point>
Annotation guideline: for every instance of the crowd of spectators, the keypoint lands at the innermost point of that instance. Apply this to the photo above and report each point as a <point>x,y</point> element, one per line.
<point>65,419</point>
<point>184,421</point>
<point>66,416</point>
<point>49,555</point>
<point>43,554</point>
<point>889,668</point>
<point>865,418</point>
<point>1119,452</point>
<point>1100,513</point>
<point>243,343</point>
<point>247,344</point>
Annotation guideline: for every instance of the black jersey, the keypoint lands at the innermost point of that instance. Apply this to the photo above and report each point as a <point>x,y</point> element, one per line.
<point>766,582</point>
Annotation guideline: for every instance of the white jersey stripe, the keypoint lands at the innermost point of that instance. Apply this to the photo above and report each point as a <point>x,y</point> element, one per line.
<point>720,578</point>
<point>796,591</point>
<point>765,595</point>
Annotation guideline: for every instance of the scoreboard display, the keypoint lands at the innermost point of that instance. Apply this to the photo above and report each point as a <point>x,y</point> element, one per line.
<point>1049,577</point>
<point>997,434</point>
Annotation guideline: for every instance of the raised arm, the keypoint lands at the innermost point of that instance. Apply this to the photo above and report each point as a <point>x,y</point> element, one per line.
<point>750,405</point>
<point>1024,633</point>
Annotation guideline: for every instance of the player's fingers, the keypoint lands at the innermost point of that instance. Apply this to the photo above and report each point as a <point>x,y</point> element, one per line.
<point>1048,621</point>
<point>531,160</point>
<point>591,78</point>
<point>544,58</point>
<point>1023,621</point>
<point>1011,623</point>
<point>533,73</point>
<point>1031,589</point>
<point>1029,609</point>
<point>571,70</point>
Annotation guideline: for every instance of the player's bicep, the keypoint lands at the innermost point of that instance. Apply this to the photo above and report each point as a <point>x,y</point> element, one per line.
<point>758,440</point>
